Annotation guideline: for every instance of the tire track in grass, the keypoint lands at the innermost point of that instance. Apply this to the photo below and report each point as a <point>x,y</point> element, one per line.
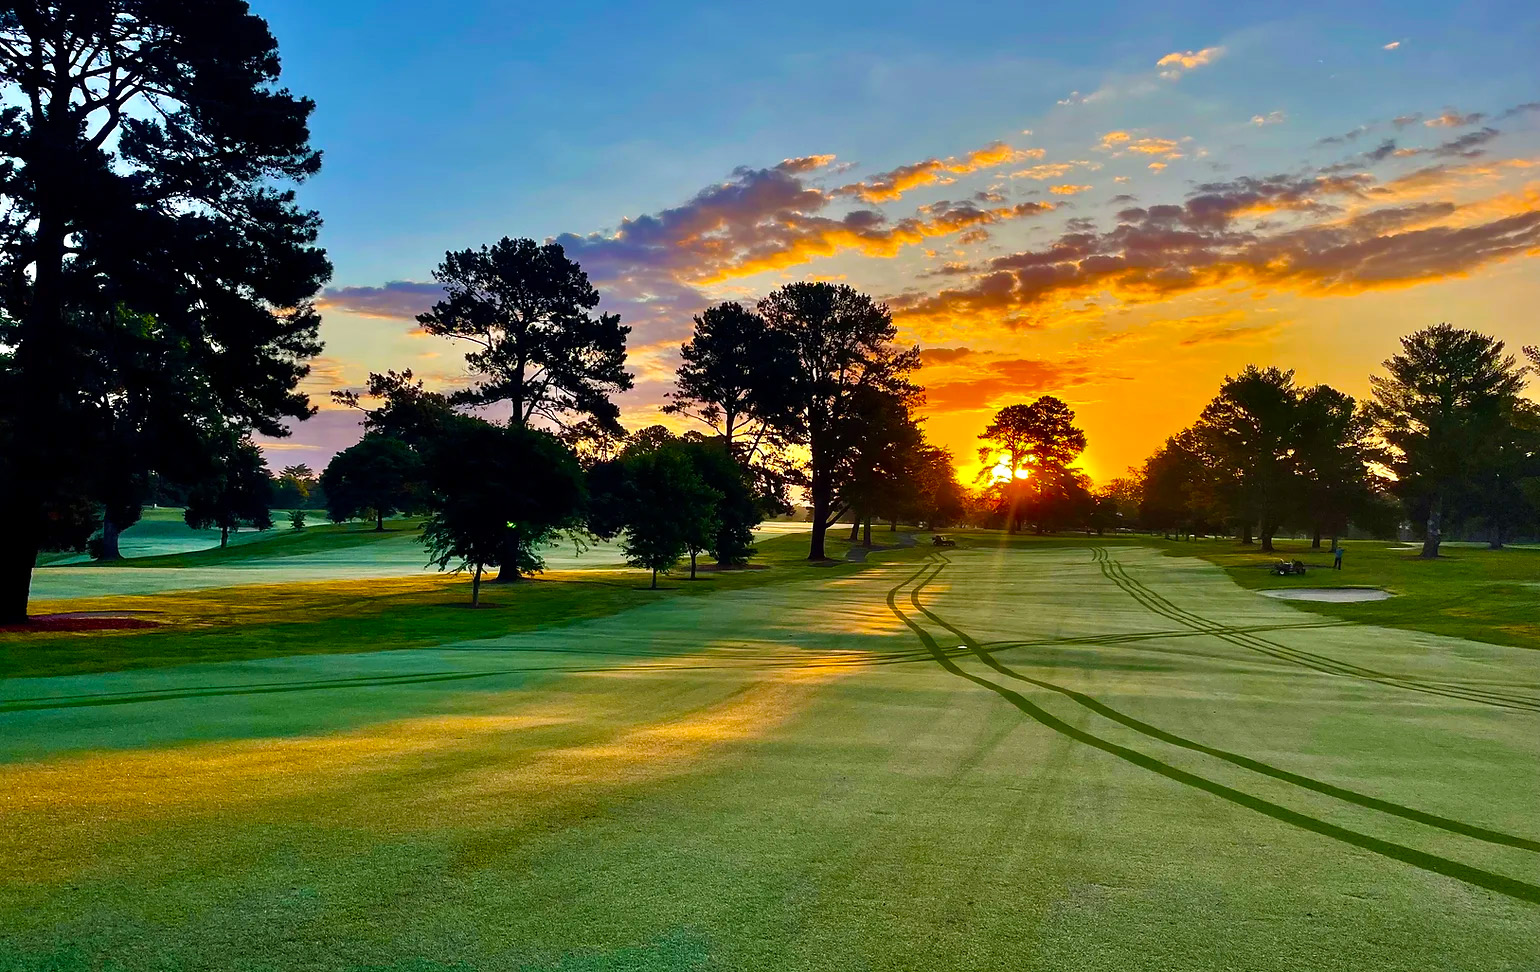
<point>1479,877</point>
<point>1245,762</point>
<point>1158,604</point>
<point>1240,637</point>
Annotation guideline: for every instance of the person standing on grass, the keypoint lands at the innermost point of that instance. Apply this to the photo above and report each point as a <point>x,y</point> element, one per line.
<point>1337,553</point>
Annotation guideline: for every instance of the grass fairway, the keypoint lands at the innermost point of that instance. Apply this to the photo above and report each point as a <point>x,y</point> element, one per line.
<point>1055,756</point>
<point>1468,592</point>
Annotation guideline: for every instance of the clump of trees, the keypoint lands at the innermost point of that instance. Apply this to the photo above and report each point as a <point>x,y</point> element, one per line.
<point>1447,438</point>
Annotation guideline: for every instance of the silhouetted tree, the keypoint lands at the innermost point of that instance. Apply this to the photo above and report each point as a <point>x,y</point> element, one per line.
<point>1248,431</point>
<point>407,411</point>
<point>238,491</point>
<point>879,470</point>
<point>842,342</point>
<point>1038,440</point>
<point>143,152</point>
<point>1445,398</point>
<point>1504,490</point>
<point>734,377</point>
<point>528,311</point>
<point>668,510</point>
<point>484,481</point>
<point>1331,455</point>
<point>378,477</point>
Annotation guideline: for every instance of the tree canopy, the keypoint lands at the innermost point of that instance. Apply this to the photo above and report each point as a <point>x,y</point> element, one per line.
<point>842,344</point>
<point>155,263</point>
<point>527,309</point>
<point>1445,401</point>
<point>379,476</point>
<point>485,481</point>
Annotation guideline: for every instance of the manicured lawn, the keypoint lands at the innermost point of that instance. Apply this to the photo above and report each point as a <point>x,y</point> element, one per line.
<point>272,620</point>
<point>1024,755</point>
<point>1468,592</point>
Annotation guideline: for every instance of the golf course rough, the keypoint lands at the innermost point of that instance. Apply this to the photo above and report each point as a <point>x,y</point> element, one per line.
<point>1071,757</point>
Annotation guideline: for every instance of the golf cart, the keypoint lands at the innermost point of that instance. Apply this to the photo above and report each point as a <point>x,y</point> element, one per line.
<point>941,541</point>
<point>1286,568</point>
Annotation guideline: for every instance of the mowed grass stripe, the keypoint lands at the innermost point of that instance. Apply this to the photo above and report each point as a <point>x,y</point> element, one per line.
<point>1118,575</point>
<point>1479,877</point>
<point>1245,762</point>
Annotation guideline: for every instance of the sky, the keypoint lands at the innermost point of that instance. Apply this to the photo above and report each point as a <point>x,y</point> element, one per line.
<point>1115,203</point>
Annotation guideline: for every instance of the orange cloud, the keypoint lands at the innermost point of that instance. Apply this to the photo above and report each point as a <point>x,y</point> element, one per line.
<point>1177,63</point>
<point>1453,119</point>
<point>1067,189</point>
<point>1168,250</point>
<point>887,186</point>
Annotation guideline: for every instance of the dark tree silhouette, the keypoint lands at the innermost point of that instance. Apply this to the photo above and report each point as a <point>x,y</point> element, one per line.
<point>668,510</point>
<point>878,471</point>
<point>378,476</point>
<point>842,342</point>
<point>239,491</point>
<point>485,481</point>
<point>1249,431</point>
<point>1331,456</point>
<point>1039,438</point>
<point>527,309</point>
<point>1444,399</point>
<point>406,410</point>
<point>538,346</point>
<point>734,377</point>
<point>143,152</point>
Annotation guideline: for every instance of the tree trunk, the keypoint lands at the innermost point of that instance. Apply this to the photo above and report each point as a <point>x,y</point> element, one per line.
<point>1246,534</point>
<point>692,564</point>
<point>655,578</point>
<point>508,558</point>
<point>1315,540</point>
<point>379,521</point>
<point>16,579</point>
<point>855,528</point>
<point>1267,539</point>
<point>224,537</point>
<point>1431,538</point>
<point>866,533</point>
<point>1495,542</point>
<point>110,534</point>
<point>892,526</point>
<point>820,493</point>
<point>476,587</point>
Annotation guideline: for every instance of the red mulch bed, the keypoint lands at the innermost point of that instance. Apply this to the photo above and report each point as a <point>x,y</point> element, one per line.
<point>82,621</point>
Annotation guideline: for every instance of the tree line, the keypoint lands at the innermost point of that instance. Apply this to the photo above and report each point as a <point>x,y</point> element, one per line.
<point>805,391</point>
<point>1446,441</point>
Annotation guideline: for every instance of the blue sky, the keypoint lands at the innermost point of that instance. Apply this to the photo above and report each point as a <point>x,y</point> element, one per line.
<point>453,125</point>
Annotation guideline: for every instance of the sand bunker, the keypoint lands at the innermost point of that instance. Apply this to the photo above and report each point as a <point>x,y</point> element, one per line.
<point>1328,594</point>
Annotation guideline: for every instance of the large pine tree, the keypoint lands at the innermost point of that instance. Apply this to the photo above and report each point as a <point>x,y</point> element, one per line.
<point>152,260</point>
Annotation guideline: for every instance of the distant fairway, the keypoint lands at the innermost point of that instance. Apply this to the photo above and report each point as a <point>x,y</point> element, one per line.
<point>166,555</point>
<point>1066,755</point>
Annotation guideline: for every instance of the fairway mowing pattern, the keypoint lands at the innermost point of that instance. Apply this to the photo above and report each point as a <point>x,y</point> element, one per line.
<point>1502,884</point>
<point>899,767</point>
<point>1118,575</point>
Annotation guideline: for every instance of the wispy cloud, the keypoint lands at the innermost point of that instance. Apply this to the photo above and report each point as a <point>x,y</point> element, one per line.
<point>1271,118</point>
<point>890,185</point>
<point>1177,63</point>
<point>1450,118</point>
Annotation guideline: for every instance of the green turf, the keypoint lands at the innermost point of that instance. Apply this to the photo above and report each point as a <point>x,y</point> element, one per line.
<point>1468,592</point>
<point>271,620</point>
<point>1053,756</point>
